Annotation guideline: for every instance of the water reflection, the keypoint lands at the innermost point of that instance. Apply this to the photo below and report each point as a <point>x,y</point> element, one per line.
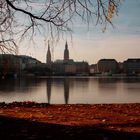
<point>48,89</point>
<point>65,90</point>
<point>65,85</point>
<point>20,85</point>
<point>8,85</point>
<point>109,85</point>
<point>131,80</point>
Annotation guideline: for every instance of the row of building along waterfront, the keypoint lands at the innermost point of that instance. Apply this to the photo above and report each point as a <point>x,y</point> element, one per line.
<point>17,65</point>
<point>130,66</point>
<point>68,66</point>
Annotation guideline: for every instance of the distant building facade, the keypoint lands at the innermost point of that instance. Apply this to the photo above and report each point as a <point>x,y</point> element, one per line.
<point>121,69</point>
<point>68,66</point>
<point>132,66</point>
<point>58,67</point>
<point>82,68</point>
<point>11,65</point>
<point>93,69</point>
<point>107,66</point>
<point>27,62</point>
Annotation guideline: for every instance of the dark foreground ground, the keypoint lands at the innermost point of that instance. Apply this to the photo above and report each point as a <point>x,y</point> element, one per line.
<point>28,120</point>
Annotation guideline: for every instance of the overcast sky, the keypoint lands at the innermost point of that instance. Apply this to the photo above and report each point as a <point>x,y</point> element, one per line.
<point>120,42</point>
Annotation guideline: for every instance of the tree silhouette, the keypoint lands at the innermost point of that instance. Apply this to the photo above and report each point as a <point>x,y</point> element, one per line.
<point>20,19</point>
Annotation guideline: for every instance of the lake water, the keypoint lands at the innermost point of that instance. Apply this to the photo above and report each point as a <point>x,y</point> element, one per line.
<point>71,90</point>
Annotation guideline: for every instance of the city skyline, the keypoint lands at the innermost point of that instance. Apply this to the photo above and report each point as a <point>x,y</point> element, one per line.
<point>91,44</point>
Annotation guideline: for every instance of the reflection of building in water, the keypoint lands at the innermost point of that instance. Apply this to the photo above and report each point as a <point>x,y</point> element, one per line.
<point>48,89</point>
<point>66,90</point>
<point>107,80</point>
<point>22,85</point>
<point>108,85</point>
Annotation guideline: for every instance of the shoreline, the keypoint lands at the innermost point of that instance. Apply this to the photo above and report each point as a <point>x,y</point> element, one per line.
<point>43,104</point>
<point>115,121</point>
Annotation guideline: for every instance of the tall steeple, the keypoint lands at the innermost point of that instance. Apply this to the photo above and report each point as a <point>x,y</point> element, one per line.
<point>48,58</point>
<point>66,52</point>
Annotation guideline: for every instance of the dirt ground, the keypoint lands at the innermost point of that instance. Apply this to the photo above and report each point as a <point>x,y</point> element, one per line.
<point>29,120</point>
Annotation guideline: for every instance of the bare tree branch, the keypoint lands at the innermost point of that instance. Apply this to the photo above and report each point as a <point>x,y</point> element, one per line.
<point>50,16</point>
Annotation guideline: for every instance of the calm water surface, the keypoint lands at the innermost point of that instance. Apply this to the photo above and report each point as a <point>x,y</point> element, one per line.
<point>64,90</point>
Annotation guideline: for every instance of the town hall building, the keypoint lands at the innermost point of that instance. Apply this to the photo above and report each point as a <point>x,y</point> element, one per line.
<point>66,66</point>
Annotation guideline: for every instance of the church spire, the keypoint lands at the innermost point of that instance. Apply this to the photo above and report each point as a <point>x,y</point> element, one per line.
<point>48,59</point>
<point>66,52</point>
<point>66,45</point>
